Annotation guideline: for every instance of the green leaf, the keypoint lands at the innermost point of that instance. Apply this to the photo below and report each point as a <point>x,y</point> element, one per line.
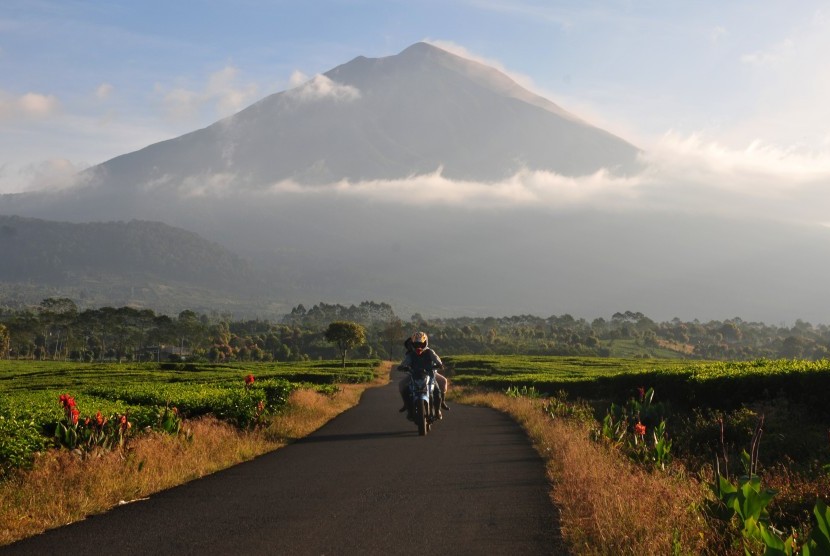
<point>726,486</point>
<point>746,460</point>
<point>821,533</point>
<point>774,545</point>
<point>754,503</point>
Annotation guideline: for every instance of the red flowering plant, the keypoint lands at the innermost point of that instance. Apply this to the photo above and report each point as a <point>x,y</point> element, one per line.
<point>639,432</point>
<point>169,420</point>
<point>67,431</point>
<point>70,409</point>
<point>106,432</point>
<point>247,417</point>
<point>73,433</point>
<point>259,413</point>
<point>124,426</point>
<point>626,427</point>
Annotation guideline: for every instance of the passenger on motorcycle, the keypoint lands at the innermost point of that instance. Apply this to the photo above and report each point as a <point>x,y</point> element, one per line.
<point>420,357</point>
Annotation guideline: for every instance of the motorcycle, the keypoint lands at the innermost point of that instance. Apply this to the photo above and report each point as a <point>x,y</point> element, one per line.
<point>424,397</point>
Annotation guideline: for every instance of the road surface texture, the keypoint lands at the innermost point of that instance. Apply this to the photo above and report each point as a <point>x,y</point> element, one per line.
<point>365,483</point>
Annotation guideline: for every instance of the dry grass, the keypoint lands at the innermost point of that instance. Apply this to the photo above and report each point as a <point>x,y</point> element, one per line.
<point>64,487</point>
<point>309,410</point>
<point>607,505</point>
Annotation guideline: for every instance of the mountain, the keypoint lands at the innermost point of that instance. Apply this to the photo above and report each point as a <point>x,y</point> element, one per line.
<point>414,113</point>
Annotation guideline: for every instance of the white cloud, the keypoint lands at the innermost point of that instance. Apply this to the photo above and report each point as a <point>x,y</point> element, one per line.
<point>48,175</point>
<point>181,104</point>
<point>780,52</point>
<point>761,181</point>
<point>229,97</point>
<point>217,185</point>
<point>690,175</point>
<point>38,105</point>
<point>717,34</point>
<point>221,93</point>
<point>297,78</point>
<point>104,91</point>
<point>321,87</point>
<point>83,139</point>
<point>526,189</point>
<point>27,106</point>
<point>788,86</point>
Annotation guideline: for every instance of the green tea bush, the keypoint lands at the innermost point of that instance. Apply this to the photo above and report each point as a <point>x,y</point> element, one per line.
<point>717,385</point>
<point>20,439</point>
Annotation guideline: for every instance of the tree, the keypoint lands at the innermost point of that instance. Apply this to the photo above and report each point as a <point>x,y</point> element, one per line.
<point>5,341</point>
<point>345,335</point>
<point>394,335</point>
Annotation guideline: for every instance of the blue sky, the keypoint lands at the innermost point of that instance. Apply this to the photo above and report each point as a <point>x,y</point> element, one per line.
<point>741,84</point>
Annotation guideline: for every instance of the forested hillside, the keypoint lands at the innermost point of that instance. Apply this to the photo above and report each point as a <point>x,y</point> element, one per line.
<point>61,252</point>
<point>148,264</point>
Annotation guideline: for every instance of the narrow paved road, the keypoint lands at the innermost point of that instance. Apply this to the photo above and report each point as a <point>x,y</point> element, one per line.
<point>365,483</point>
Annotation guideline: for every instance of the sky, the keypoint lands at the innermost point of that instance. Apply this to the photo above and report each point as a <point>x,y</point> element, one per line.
<point>714,92</point>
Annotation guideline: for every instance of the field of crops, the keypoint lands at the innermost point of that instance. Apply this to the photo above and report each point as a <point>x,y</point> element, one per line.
<point>83,405</point>
<point>719,384</point>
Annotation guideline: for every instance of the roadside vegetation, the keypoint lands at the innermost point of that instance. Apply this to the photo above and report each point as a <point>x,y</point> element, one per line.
<point>77,439</point>
<point>718,458</point>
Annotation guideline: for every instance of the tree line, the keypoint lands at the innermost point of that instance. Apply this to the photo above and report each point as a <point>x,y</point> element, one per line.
<point>58,329</point>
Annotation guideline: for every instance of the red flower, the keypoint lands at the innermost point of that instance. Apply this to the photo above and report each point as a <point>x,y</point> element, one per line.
<point>249,380</point>
<point>640,429</point>
<point>74,413</point>
<point>67,401</point>
<point>99,419</point>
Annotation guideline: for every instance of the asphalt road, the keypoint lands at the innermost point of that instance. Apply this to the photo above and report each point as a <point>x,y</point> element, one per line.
<point>365,483</point>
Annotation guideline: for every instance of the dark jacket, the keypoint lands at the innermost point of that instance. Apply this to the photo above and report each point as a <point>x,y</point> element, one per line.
<point>427,362</point>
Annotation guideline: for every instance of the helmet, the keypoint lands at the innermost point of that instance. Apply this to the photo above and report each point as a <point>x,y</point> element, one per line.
<point>419,342</point>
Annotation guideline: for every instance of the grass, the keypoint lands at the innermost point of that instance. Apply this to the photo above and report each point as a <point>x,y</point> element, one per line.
<point>63,486</point>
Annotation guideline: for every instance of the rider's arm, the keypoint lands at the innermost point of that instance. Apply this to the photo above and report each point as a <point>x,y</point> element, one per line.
<point>436,361</point>
<point>406,363</point>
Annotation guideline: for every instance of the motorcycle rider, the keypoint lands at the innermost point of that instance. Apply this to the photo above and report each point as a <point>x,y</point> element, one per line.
<point>419,356</point>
